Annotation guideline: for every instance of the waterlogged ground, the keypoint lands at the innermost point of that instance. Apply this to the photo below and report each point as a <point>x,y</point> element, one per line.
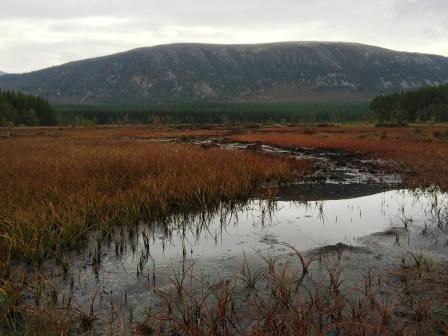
<point>117,276</point>
<point>350,207</point>
<point>330,166</point>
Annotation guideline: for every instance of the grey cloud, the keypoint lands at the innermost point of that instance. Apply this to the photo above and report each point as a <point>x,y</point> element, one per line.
<point>26,53</point>
<point>67,29</point>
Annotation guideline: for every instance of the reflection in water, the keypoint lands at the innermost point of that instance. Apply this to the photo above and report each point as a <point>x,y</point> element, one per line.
<point>124,265</point>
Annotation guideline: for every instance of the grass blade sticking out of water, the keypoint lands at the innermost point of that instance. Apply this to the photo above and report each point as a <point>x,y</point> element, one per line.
<point>248,277</point>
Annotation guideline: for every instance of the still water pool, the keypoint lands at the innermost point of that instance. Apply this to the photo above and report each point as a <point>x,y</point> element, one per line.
<point>121,270</point>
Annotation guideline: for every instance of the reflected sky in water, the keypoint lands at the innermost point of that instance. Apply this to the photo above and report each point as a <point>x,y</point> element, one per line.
<point>260,226</point>
<point>133,261</point>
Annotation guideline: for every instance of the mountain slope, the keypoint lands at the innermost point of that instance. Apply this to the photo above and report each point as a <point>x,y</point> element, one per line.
<point>186,72</point>
<point>2,73</point>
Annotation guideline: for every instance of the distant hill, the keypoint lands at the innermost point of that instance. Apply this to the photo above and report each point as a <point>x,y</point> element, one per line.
<point>2,73</point>
<point>263,72</point>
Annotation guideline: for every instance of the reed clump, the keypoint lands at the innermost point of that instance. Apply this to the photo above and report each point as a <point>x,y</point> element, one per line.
<point>55,190</point>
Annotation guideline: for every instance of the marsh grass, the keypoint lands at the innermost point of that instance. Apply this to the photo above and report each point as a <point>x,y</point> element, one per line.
<point>294,293</point>
<point>56,190</point>
<point>422,160</point>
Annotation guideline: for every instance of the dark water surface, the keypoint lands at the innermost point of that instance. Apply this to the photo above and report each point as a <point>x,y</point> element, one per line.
<point>119,273</point>
<point>353,206</point>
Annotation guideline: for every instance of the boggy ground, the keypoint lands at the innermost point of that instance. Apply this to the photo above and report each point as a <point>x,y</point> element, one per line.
<point>57,188</point>
<point>420,153</point>
<point>59,184</point>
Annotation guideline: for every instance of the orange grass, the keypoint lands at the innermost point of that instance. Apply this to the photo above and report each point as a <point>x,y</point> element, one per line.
<point>54,190</point>
<point>422,158</point>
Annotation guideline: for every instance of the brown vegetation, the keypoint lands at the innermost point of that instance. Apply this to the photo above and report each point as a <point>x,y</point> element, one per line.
<point>57,185</point>
<point>55,189</point>
<point>421,153</point>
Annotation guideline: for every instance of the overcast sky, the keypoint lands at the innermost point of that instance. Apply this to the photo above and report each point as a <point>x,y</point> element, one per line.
<point>40,33</point>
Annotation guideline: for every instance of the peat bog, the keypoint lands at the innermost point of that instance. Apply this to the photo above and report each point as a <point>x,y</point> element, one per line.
<point>265,231</point>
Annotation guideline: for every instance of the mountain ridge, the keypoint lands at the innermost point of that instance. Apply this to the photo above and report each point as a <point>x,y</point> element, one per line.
<point>183,72</point>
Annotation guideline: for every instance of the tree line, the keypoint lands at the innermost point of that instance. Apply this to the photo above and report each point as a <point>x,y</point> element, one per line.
<point>218,113</point>
<point>426,104</point>
<point>20,109</point>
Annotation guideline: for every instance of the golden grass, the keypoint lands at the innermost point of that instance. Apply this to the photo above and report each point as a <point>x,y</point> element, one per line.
<point>54,190</point>
<point>421,152</point>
